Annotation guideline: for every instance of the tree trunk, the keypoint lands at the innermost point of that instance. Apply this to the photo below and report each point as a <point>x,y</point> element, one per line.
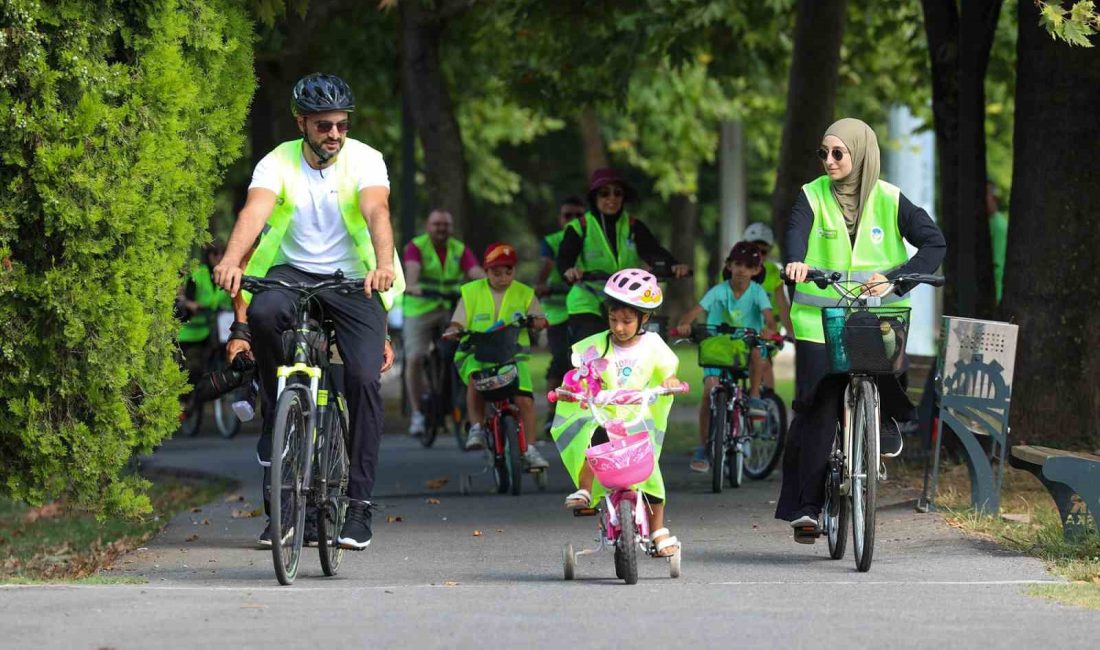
<point>595,154</point>
<point>434,116</point>
<point>684,214</point>
<point>811,97</point>
<point>1050,287</point>
<point>973,250</point>
<point>941,26</point>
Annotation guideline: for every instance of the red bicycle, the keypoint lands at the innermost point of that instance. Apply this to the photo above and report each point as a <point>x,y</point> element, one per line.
<point>498,384</point>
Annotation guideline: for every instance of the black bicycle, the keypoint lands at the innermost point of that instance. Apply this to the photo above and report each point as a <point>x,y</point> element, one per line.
<point>864,339</point>
<point>310,434</point>
<point>226,421</point>
<point>443,402</point>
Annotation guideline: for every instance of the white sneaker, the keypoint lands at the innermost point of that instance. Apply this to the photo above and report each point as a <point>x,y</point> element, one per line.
<point>416,424</point>
<point>534,459</point>
<point>477,438</point>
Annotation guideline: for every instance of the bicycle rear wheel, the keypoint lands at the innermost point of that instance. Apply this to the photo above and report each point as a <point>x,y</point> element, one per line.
<point>864,473</point>
<point>288,509</point>
<point>225,420</point>
<point>334,498</point>
<point>836,512</point>
<point>767,446</point>
<point>719,421</point>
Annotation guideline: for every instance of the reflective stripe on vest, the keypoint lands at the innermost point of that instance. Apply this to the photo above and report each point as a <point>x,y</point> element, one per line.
<point>445,277</point>
<point>554,304</point>
<point>288,155</point>
<point>596,255</point>
<point>878,248</point>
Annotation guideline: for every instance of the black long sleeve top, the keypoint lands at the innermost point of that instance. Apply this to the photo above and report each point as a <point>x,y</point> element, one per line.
<point>914,224</point>
<point>648,248</point>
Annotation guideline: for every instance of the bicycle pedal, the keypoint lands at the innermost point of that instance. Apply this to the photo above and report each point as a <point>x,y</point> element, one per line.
<point>585,512</point>
<point>807,534</point>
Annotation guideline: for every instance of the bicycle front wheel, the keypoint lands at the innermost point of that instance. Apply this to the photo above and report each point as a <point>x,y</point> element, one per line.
<point>719,421</point>
<point>627,544</point>
<point>509,432</point>
<point>334,497</point>
<point>864,473</point>
<point>288,509</point>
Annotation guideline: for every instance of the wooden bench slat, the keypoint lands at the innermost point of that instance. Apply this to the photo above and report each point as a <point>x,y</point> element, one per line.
<point>1038,455</point>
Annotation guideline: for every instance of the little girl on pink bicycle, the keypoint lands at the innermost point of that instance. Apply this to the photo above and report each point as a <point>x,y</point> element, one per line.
<point>624,357</point>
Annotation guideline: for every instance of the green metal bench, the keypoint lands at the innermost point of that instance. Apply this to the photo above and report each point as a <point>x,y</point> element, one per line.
<point>1073,479</point>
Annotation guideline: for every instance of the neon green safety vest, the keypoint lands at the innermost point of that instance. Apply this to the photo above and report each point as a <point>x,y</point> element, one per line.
<point>289,157</point>
<point>596,255</point>
<point>878,248</point>
<point>573,426</point>
<point>197,328</point>
<point>482,314</point>
<point>554,304</point>
<point>445,277</point>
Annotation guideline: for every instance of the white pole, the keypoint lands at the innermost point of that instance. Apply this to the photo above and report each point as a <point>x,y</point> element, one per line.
<point>732,184</point>
<point>911,165</point>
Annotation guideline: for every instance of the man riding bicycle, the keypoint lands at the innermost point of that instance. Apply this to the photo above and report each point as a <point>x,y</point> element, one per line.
<point>438,262</point>
<point>322,202</point>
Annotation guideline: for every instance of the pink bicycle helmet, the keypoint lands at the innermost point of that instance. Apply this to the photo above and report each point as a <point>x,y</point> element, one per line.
<point>635,287</point>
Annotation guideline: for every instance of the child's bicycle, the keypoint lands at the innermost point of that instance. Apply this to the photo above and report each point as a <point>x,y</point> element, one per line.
<point>739,443</point>
<point>619,465</point>
<point>864,339</point>
<point>498,384</point>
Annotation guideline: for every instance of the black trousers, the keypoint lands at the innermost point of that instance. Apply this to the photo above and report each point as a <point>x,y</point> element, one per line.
<point>582,326</point>
<point>360,325</point>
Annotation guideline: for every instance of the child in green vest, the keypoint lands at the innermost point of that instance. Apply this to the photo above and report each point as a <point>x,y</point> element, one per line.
<point>740,302</point>
<point>498,298</point>
<point>625,356</point>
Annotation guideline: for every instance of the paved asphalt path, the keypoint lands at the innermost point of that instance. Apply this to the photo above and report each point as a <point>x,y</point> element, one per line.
<point>429,582</point>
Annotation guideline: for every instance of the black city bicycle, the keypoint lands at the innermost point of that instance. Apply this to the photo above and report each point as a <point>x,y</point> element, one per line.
<point>864,339</point>
<point>310,434</point>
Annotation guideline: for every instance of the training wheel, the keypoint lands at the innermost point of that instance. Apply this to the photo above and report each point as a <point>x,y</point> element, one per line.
<point>674,565</point>
<point>568,561</point>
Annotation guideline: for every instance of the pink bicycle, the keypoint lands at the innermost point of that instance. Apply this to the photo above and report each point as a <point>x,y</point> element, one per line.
<point>620,464</point>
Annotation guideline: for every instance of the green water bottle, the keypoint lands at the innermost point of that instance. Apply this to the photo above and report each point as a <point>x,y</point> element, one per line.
<point>833,319</point>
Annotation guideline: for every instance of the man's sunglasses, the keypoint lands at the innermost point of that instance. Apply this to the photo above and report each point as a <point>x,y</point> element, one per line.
<point>611,191</point>
<point>324,126</point>
<point>572,215</point>
<point>823,153</point>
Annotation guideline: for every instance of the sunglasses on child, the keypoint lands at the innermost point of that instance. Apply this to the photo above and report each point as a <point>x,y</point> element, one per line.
<point>823,153</point>
<point>611,191</point>
<point>324,126</point>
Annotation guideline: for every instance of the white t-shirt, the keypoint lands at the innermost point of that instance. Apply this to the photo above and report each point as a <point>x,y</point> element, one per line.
<point>647,363</point>
<point>317,241</point>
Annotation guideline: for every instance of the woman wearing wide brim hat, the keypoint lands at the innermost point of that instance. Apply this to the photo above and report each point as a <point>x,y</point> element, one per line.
<point>606,239</point>
<point>848,220</point>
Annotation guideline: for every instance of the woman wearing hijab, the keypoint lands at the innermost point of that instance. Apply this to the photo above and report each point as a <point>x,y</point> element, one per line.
<point>847,220</point>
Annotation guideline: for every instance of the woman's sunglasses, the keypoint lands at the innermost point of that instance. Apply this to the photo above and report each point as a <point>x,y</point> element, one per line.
<point>324,126</point>
<point>610,191</point>
<point>823,153</point>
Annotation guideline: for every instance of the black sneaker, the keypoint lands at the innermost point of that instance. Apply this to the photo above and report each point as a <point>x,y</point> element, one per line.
<point>265,537</point>
<point>889,438</point>
<point>356,535</point>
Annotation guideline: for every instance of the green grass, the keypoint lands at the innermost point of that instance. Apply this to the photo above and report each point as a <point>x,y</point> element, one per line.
<point>56,542</point>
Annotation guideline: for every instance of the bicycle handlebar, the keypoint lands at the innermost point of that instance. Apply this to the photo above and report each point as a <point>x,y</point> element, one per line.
<point>337,283</point>
<point>823,279</point>
<point>617,396</point>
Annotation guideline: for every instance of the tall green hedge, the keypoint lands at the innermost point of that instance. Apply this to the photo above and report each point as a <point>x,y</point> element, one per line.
<point>117,120</point>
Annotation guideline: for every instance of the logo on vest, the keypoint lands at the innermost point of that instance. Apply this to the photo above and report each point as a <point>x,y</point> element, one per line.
<point>876,235</point>
<point>826,233</point>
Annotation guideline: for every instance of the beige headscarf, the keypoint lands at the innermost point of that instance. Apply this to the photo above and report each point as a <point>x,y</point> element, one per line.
<point>852,191</point>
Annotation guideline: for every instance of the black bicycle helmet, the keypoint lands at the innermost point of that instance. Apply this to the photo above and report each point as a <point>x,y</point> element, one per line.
<point>317,93</point>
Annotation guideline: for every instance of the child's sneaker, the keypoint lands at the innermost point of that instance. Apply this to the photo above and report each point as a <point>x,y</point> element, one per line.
<point>533,459</point>
<point>699,461</point>
<point>477,437</point>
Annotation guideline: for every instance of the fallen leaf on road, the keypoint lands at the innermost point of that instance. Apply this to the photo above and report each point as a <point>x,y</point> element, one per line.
<point>394,518</point>
<point>233,497</point>
<point>238,513</point>
<point>450,583</point>
<point>432,502</point>
<point>500,530</point>
<point>196,509</point>
<point>253,606</point>
<point>436,483</point>
<point>191,538</point>
<point>477,533</point>
<point>205,522</point>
